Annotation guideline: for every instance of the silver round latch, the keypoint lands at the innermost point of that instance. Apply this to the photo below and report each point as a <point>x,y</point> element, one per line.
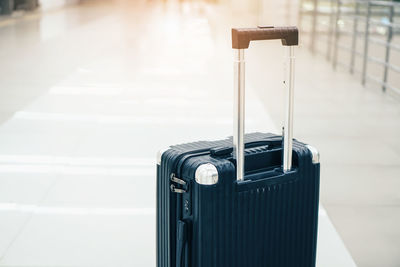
<point>206,174</point>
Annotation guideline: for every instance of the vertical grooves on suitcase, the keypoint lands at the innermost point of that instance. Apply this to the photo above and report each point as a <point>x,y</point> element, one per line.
<point>257,225</point>
<point>162,248</point>
<point>165,216</point>
<point>272,224</point>
<point>163,212</point>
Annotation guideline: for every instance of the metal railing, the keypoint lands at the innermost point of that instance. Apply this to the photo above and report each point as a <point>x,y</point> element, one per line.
<point>336,23</point>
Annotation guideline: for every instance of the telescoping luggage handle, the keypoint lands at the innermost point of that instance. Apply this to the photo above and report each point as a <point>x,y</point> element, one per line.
<point>241,38</point>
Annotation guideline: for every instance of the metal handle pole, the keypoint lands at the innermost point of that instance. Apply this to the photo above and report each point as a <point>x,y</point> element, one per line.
<point>366,41</point>
<point>337,33</point>
<point>354,37</point>
<point>388,42</point>
<point>239,111</point>
<point>288,128</point>
<point>331,30</point>
<point>239,108</point>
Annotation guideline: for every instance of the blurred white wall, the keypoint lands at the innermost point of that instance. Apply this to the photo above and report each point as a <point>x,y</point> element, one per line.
<point>265,12</point>
<point>49,4</point>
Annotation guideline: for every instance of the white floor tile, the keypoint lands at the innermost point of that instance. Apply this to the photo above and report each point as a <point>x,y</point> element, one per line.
<point>81,240</point>
<point>11,223</point>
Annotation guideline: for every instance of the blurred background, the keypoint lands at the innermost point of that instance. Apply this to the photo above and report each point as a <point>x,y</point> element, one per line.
<point>90,90</point>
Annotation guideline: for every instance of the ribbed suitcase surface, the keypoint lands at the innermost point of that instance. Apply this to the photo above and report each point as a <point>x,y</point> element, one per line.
<point>270,219</point>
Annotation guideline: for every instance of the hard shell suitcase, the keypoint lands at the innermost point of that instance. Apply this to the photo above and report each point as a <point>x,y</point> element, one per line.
<point>214,211</point>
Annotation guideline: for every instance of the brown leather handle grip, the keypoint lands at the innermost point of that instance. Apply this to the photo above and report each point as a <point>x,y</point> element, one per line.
<point>241,37</point>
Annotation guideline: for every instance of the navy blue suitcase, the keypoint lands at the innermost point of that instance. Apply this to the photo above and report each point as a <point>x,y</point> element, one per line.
<point>214,211</point>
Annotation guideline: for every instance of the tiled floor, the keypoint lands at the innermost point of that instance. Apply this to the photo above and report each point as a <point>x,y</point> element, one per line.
<point>89,94</point>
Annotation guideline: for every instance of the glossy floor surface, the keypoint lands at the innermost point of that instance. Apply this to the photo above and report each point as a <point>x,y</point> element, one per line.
<point>89,94</point>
